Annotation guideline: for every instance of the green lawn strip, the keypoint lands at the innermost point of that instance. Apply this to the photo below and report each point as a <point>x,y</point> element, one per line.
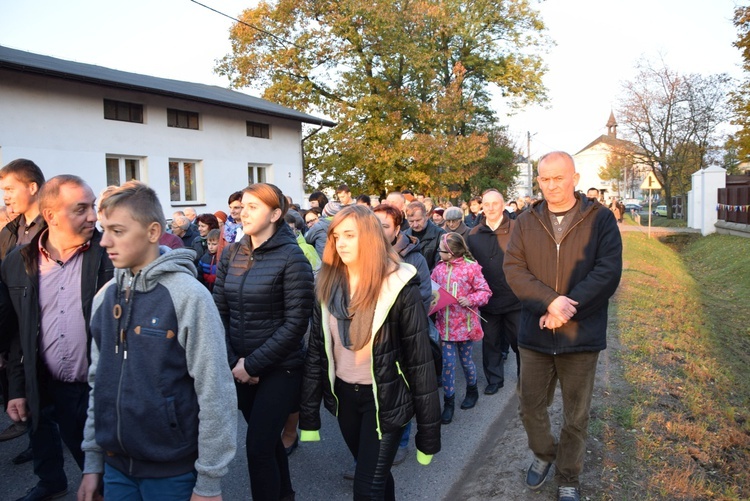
<point>682,428</point>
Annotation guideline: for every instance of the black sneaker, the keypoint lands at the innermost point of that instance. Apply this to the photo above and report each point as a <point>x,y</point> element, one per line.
<point>568,494</point>
<point>537,473</point>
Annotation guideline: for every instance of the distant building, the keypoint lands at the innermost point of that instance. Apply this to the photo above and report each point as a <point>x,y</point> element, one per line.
<point>194,144</point>
<point>595,155</point>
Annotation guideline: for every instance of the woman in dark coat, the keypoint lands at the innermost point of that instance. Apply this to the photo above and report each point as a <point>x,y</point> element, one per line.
<point>369,356</point>
<point>265,292</point>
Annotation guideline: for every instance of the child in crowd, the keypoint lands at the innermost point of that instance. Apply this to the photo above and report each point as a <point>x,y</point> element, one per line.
<point>160,423</point>
<point>209,260</point>
<point>459,324</point>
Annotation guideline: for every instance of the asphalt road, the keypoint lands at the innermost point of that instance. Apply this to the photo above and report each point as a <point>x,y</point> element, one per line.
<point>317,468</point>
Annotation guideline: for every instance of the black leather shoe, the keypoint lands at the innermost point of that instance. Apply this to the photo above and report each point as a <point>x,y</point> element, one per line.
<point>13,431</point>
<point>41,493</point>
<point>492,388</point>
<point>24,457</point>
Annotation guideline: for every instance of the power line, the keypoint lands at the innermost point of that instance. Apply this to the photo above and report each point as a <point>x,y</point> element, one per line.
<point>275,37</point>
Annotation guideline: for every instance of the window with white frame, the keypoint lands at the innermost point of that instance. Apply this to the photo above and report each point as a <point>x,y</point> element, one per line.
<point>122,169</point>
<point>183,180</point>
<point>256,173</point>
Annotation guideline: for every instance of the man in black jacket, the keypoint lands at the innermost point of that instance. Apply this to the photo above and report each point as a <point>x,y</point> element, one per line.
<point>425,230</point>
<point>564,262</point>
<point>20,181</point>
<point>52,282</point>
<point>488,241</point>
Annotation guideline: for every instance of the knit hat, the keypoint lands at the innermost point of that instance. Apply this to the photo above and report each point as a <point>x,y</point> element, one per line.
<point>453,213</point>
<point>221,216</point>
<point>331,208</point>
<point>438,210</point>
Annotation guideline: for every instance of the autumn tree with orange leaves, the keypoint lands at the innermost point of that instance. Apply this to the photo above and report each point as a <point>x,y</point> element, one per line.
<point>408,82</point>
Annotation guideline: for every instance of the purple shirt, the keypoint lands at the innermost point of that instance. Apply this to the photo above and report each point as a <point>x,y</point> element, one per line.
<point>63,343</point>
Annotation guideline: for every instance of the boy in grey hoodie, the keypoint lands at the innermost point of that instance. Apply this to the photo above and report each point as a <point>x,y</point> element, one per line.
<point>162,420</point>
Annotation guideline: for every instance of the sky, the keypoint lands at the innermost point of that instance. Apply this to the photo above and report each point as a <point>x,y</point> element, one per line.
<point>597,45</point>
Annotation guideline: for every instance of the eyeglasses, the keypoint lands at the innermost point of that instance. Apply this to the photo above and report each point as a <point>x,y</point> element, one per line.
<point>311,222</point>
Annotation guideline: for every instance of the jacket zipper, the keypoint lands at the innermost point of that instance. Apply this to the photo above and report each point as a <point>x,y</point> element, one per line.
<point>557,259</point>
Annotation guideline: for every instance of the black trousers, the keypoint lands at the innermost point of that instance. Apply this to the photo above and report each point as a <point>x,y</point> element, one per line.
<point>496,328</point>
<point>63,415</point>
<point>265,407</point>
<point>358,423</point>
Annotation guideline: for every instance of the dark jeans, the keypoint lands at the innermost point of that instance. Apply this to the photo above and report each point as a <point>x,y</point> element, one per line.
<point>122,487</point>
<point>496,328</point>
<point>539,375</point>
<point>374,457</point>
<point>63,415</point>
<point>265,407</point>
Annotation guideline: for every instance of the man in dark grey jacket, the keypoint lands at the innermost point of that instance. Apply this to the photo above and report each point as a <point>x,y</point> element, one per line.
<point>564,262</point>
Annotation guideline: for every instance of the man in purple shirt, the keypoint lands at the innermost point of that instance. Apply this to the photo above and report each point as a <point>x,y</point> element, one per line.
<point>52,282</point>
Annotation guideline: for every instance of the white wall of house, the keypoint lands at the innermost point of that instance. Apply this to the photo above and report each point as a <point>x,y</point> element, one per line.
<point>60,125</point>
<point>588,162</point>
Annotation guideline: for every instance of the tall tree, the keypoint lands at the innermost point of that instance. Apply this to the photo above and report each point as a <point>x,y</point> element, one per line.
<point>739,143</point>
<point>674,118</point>
<point>498,169</point>
<point>408,81</point>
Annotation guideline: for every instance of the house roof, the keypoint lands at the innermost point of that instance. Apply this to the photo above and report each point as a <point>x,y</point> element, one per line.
<point>611,141</point>
<point>28,62</point>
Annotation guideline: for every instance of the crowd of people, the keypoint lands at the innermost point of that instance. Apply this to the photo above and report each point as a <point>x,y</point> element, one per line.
<point>131,341</point>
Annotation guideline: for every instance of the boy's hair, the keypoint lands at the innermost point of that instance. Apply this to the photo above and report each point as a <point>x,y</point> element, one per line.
<point>212,235</point>
<point>25,171</point>
<point>237,195</point>
<point>139,199</point>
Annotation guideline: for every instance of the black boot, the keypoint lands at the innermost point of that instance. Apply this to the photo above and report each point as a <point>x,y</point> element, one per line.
<point>448,408</point>
<point>472,395</point>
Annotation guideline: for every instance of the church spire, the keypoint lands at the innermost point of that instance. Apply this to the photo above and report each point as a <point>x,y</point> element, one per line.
<point>612,125</point>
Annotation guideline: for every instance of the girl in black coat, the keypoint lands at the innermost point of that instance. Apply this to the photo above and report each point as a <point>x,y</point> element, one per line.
<point>371,319</point>
<point>264,291</point>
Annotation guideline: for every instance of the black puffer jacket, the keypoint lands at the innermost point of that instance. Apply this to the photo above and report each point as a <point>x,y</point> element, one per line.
<point>403,365</point>
<point>265,297</point>
<point>586,266</point>
<point>488,248</point>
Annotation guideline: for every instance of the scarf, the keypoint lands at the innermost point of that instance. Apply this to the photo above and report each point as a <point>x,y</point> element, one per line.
<point>354,327</point>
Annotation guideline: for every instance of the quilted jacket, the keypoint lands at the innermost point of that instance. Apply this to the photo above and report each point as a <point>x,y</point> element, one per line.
<point>265,297</point>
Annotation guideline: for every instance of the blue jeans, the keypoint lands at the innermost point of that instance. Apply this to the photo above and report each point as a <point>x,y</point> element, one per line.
<point>122,487</point>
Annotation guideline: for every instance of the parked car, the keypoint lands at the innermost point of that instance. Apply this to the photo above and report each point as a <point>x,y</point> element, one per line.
<point>635,207</point>
<point>661,210</point>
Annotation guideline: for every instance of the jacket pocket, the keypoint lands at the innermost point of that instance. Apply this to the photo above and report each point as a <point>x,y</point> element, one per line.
<point>403,376</point>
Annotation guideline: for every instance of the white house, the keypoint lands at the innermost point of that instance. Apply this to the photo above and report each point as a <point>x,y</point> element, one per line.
<point>595,155</point>
<point>194,144</point>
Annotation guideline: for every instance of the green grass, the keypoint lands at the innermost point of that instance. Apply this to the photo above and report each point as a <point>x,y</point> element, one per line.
<point>681,319</point>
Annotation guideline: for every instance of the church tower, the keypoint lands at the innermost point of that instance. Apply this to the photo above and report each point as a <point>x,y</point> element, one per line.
<point>612,125</point>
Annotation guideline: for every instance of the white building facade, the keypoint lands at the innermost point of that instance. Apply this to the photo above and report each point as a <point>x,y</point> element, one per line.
<point>194,144</point>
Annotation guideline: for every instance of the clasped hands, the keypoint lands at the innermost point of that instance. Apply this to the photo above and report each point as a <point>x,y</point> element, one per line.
<point>241,375</point>
<point>558,313</point>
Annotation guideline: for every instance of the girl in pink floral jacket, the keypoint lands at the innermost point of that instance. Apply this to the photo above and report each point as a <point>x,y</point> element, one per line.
<point>459,324</point>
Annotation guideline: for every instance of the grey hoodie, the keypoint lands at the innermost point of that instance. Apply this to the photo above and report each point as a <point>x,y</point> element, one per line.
<point>162,399</point>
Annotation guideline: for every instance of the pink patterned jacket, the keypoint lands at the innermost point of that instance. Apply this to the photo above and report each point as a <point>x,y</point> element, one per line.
<point>462,278</point>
